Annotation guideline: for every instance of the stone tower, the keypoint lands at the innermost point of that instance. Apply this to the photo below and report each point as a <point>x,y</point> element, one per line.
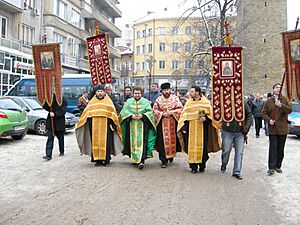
<point>259,27</point>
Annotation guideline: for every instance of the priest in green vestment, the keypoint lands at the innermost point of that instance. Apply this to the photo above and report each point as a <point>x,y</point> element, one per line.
<point>138,128</point>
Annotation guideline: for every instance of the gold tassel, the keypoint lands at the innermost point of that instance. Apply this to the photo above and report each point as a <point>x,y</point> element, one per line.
<point>240,123</point>
<point>227,124</point>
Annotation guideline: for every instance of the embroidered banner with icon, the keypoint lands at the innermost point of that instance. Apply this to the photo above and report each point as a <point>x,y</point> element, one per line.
<point>227,84</point>
<point>99,59</point>
<point>291,50</point>
<point>48,72</point>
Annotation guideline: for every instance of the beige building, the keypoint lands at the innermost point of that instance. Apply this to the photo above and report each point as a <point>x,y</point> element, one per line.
<point>125,66</point>
<point>260,24</point>
<point>165,51</point>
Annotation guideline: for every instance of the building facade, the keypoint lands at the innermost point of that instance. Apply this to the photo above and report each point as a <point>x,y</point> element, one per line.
<point>68,22</point>
<point>259,24</point>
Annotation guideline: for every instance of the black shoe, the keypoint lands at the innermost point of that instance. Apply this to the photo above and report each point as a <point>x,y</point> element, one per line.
<point>141,166</point>
<point>61,154</point>
<point>201,170</point>
<point>163,165</point>
<point>171,160</point>
<point>47,157</point>
<point>193,171</point>
<point>238,176</point>
<point>278,170</point>
<point>271,172</point>
<point>223,168</point>
<point>98,163</point>
<point>257,136</point>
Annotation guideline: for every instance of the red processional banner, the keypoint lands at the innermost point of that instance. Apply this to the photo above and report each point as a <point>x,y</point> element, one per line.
<point>227,84</point>
<point>99,59</point>
<point>291,50</point>
<point>48,72</point>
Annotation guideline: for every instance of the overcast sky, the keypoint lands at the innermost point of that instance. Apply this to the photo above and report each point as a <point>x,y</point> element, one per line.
<point>133,10</point>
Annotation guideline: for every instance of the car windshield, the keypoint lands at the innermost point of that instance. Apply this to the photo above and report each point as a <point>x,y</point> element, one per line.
<point>6,103</point>
<point>296,107</point>
<point>33,103</point>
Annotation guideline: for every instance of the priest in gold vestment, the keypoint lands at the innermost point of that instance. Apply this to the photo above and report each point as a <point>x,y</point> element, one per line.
<point>98,130</point>
<point>200,132</point>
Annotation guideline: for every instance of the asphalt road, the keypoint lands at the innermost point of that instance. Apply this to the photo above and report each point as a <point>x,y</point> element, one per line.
<point>71,190</point>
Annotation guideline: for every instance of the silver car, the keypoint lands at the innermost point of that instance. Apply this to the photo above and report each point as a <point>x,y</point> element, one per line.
<point>37,116</point>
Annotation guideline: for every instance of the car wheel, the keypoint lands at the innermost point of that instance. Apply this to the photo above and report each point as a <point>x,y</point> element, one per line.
<point>18,137</point>
<point>40,127</point>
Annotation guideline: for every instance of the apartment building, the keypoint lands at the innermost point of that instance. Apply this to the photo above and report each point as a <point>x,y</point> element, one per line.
<point>20,24</point>
<point>68,22</point>
<point>164,51</point>
<point>125,66</point>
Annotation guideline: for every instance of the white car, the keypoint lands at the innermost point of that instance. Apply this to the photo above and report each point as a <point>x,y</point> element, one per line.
<point>37,116</point>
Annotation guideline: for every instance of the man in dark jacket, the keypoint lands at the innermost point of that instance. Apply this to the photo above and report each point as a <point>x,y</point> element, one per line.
<point>58,114</point>
<point>235,133</point>
<point>256,110</point>
<point>152,95</point>
<point>275,112</point>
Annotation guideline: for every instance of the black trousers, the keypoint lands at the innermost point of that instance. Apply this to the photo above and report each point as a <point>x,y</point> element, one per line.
<point>258,124</point>
<point>276,150</point>
<point>50,140</point>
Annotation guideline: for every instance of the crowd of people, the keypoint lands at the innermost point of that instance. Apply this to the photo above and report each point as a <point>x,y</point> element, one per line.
<point>136,124</point>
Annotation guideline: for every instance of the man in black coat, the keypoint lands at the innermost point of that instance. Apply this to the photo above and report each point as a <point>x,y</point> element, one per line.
<point>58,115</point>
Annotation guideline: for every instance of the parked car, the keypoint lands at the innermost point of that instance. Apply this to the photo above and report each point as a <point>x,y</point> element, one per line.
<point>13,119</point>
<point>294,119</point>
<point>37,116</point>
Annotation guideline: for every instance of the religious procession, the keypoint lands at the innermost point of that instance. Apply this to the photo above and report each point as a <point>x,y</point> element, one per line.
<point>139,123</point>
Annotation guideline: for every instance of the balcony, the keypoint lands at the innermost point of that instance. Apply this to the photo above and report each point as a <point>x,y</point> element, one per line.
<point>114,52</point>
<point>10,43</point>
<point>84,64</point>
<point>109,7</point>
<point>12,6</point>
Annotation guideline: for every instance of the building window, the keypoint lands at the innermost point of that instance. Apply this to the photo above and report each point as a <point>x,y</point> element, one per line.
<point>138,34</point>
<point>150,32</point>
<point>174,46</point>
<point>3,25</point>
<point>27,35</point>
<point>187,46</point>
<point>29,3</point>
<point>143,65</point>
<point>138,50</point>
<point>74,47</point>
<point>187,64</point>
<point>130,66</point>
<point>174,30</point>
<point>161,31</point>
<point>75,18</point>
<point>143,49</point>
<point>137,66</point>
<point>144,33</point>
<point>62,40</point>
<point>61,9</point>
<point>188,30</point>
<point>175,64</point>
<point>161,64</point>
<point>162,47</point>
<point>149,47</point>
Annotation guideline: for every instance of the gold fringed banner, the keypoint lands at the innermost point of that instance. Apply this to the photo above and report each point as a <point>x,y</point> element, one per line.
<point>291,50</point>
<point>227,84</point>
<point>48,71</point>
<point>99,59</point>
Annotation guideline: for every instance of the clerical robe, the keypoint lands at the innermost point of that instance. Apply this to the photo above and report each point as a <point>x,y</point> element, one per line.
<point>200,137</point>
<point>98,130</point>
<point>138,135</point>
<point>167,142</point>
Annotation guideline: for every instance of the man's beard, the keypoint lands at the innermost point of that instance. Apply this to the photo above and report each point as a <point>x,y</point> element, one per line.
<point>100,97</point>
<point>166,95</point>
